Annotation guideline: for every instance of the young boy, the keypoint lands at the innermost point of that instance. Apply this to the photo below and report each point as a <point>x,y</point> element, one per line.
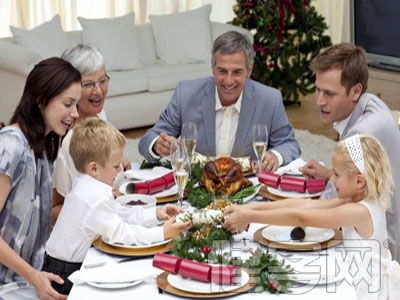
<point>90,211</point>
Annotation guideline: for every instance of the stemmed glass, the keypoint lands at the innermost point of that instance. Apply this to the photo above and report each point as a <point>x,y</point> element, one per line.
<point>189,138</point>
<point>180,166</point>
<point>260,142</point>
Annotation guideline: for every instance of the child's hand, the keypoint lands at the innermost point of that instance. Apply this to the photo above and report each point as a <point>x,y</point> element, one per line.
<point>172,229</point>
<point>167,211</point>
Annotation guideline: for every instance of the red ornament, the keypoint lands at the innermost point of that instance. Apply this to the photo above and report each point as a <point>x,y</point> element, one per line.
<point>306,2</point>
<point>249,16</point>
<point>206,250</point>
<point>270,27</point>
<point>271,65</point>
<point>248,4</point>
<point>273,284</point>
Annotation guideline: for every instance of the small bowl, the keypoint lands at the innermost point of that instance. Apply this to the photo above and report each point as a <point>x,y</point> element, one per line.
<point>145,201</point>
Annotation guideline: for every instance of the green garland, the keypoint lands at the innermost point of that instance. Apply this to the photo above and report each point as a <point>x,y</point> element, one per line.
<point>204,243</point>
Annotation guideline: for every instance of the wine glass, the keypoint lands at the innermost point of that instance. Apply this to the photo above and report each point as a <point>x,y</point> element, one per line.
<point>260,142</point>
<point>180,166</point>
<point>189,138</point>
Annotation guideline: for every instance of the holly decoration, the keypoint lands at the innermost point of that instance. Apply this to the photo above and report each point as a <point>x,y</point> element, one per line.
<point>288,34</point>
<point>204,243</point>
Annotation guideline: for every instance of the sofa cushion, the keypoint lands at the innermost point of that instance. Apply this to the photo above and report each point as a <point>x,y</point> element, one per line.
<point>147,43</point>
<point>47,39</point>
<point>127,82</point>
<point>116,38</point>
<point>166,77</point>
<point>183,37</point>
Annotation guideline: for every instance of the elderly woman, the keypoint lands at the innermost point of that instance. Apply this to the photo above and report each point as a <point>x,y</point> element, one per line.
<point>88,60</point>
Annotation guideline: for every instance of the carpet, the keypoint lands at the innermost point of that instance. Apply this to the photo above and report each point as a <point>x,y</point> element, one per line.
<point>312,146</point>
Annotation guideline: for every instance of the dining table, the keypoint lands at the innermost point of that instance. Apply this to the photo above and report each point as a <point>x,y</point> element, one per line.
<point>155,283</point>
<point>317,261</point>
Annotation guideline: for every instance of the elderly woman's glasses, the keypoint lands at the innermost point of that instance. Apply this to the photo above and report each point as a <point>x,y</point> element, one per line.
<point>102,82</point>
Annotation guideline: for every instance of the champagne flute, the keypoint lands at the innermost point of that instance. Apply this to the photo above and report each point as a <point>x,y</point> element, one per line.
<point>189,138</point>
<point>180,166</point>
<point>260,142</point>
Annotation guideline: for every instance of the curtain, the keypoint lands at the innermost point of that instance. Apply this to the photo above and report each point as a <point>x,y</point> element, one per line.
<point>31,13</point>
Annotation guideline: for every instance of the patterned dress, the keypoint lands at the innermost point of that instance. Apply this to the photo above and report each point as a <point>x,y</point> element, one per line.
<point>25,217</point>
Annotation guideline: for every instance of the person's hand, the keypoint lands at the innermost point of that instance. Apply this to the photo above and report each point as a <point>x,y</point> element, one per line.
<point>41,281</point>
<point>313,169</point>
<point>235,219</point>
<point>163,144</point>
<point>126,164</point>
<point>270,163</point>
<point>172,228</point>
<point>167,211</point>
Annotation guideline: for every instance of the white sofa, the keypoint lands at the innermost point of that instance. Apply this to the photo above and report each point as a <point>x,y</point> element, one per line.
<point>136,96</point>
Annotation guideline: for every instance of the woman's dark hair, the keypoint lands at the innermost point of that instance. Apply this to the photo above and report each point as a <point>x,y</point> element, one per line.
<point>48,79</point>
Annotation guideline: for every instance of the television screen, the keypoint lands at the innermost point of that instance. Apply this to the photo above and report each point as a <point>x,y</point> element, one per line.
<point>375,26</point>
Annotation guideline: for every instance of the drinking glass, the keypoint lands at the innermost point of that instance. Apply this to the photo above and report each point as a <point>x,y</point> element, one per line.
<point>189,138</point>
<point>260,142</point>
<point>180,166</point>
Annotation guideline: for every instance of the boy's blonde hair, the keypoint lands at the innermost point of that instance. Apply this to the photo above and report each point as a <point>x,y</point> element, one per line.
<point>94,140</point>
<point>378,176</point>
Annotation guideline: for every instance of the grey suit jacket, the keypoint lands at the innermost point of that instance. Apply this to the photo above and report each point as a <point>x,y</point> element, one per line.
<point>372,116</point>
<point>194,101</point>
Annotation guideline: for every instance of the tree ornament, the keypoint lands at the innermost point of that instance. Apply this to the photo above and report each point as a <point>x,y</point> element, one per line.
<point>236,9</point>
<point>284,48</point>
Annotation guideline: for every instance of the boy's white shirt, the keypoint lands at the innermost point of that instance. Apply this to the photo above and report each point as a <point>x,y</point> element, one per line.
<point>90,211</point>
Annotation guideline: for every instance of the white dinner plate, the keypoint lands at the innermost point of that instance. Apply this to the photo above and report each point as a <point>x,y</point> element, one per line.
<point>316,279</point>
<point>254,180</point>
<point>145,174</point>
<point>288,194</point>
<point>194,286</point>
<point>173,190</point>
<point>137,246</point>
<point>117,285</point>
<point>281,234</point>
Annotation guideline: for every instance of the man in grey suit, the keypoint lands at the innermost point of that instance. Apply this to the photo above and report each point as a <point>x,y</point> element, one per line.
<point>224,108</point>
<point>341,82</point>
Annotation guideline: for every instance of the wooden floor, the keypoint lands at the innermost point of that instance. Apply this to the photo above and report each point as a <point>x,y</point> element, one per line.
<point>304,116</point>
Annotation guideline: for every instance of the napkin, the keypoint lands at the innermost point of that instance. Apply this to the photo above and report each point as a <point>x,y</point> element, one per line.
<point>291,168</point>
<point>111,272</point>
<point>146,174</point>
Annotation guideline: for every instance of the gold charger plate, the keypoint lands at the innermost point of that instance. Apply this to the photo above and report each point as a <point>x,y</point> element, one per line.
<point>167,199</point>
<point>162,283</point>
<point>104,247</point>
<point>336,240</point>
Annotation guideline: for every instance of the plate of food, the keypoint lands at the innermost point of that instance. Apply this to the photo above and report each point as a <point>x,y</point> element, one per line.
<point>199,287</point>
<point>289,194</point>
<point>145,201</point>
<point>282,235</point>
<point>141,246</point>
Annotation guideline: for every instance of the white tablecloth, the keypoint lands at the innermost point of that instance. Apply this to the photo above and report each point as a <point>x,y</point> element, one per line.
<point>149,289</point>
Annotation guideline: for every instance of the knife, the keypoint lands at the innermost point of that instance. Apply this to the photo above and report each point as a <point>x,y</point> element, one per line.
<point>100,264</point>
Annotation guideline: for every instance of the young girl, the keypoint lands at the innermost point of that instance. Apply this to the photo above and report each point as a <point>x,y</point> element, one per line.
<point>27,149</point>
<point>362,178</point>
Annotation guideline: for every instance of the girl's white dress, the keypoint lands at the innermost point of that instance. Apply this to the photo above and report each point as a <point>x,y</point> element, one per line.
<point>378,276</point>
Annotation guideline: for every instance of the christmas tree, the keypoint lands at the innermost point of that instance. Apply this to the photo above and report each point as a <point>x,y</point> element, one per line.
<point>288,34</point>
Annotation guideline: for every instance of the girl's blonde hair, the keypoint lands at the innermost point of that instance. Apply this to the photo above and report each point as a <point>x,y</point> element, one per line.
<point>378,176</point>
<point>94,140</point>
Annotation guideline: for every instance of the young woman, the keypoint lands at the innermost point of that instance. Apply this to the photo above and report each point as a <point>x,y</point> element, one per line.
<point>364,184</point>
<point>28,147</point>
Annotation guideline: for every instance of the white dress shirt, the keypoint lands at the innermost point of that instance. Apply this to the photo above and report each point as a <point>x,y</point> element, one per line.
<point>226,123</point>
<point>89,212</point>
